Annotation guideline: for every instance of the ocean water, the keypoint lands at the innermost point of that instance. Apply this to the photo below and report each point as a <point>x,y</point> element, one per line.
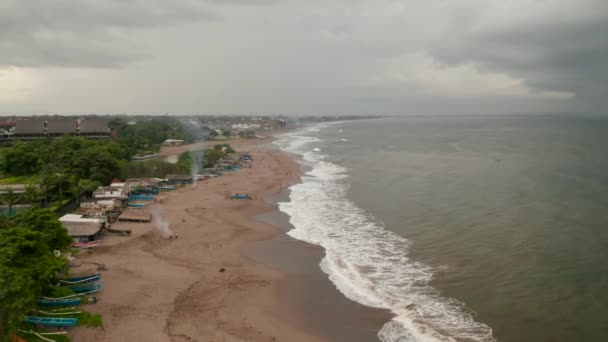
<point>465,228</point>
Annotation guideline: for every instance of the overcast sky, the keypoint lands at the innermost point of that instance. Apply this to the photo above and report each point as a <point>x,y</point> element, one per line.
<point>298,57</point>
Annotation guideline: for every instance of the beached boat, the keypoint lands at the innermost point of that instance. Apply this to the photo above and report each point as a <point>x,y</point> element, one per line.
<point>135,205</point>
<point>86,244</point>
<point>52,321</point>
<point>141,198</point>
<point>79,280</point>
<point>240,197</point>
<point>82,288</point>
<point>59,301</point>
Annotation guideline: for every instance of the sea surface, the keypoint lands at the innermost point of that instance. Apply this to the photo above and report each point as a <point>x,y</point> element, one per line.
<point>465,228</point>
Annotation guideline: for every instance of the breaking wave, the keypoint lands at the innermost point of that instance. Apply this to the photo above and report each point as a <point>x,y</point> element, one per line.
<point>366,262</point>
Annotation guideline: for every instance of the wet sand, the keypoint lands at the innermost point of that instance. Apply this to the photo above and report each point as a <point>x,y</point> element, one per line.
<point>159,289</point>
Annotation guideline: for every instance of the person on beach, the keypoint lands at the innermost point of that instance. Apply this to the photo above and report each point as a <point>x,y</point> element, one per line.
<point>175,235</point>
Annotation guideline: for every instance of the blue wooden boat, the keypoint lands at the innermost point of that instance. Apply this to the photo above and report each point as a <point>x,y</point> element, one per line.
<point>59,301</point>
<point>167,188</point>
<point>135,205</point>
<point>52,321</point>
<point>240,197</point>
<point>95,286</point>
<point>141,198</point>
<point>78,280</point>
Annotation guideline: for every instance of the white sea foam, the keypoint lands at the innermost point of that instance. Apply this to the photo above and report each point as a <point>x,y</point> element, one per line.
<point>366,262</point>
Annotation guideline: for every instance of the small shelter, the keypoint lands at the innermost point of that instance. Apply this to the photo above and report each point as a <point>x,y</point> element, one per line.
<point>83,231</point>
<point>135,215</point>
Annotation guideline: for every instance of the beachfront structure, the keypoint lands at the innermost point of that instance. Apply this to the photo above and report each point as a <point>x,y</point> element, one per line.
<point>82,229</point>
<point>110,192</point>
<point>135,215</point>
<point>104,209</point>
<point>28,129</point>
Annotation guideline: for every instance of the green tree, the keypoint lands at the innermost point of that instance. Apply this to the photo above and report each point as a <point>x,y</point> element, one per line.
<point>27,266</point>
<point>46,183</point>
<point>45,222</point>
<point>20,159</point>
<point>32,193</point>
<point>10,197</point>
<point>61,179</point>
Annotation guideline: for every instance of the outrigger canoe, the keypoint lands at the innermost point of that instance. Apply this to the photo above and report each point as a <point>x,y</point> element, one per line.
<point>59,301</point>
<point>79,280</point>
<point>52,321</point>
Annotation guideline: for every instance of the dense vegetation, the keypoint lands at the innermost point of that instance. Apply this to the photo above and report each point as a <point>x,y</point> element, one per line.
<point>147,136</point>
<point>27,265</point>
<point>57,169</point>
<point>203,158</point>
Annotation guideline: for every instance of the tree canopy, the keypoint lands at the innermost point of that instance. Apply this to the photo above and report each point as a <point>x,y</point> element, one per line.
<point>27,263</point>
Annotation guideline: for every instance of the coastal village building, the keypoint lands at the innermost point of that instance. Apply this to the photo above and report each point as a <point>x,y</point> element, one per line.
<point>110,192</point>
<point>82,229</point>
<point>28,129</point>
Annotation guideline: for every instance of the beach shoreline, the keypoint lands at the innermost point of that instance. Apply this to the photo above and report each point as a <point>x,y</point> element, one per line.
<point>205,285</point>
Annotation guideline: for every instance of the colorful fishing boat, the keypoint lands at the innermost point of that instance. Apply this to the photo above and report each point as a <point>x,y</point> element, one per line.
<point>52,321</point>
<point>135,205</point>
<point>79,280</point>
<point>59,301</point>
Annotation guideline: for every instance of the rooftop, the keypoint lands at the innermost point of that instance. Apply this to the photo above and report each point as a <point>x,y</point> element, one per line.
<point>94,125</point>
<point>29,126</point>
<point>81,228</point>
<point>61,126</point>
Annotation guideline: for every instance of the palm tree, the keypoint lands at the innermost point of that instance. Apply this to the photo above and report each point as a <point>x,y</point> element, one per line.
<point>46,183</point>
<point>60,179</point>
<point>32,193</point>
<point>10,197</point>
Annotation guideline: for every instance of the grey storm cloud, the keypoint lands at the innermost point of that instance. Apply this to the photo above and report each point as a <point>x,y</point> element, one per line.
<point>331,56</point>
<point>565,50</point>
<point>84,33</point>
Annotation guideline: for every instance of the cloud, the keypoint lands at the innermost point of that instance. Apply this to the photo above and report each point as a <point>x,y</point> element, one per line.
<point>553,46</point>
<point>315,56</point>
<point>85,33</point>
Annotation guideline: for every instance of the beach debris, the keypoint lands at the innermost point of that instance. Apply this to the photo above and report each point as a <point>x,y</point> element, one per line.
<point>222,270</point>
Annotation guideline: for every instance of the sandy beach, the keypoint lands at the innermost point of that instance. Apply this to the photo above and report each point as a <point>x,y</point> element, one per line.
<point>160,289</point>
